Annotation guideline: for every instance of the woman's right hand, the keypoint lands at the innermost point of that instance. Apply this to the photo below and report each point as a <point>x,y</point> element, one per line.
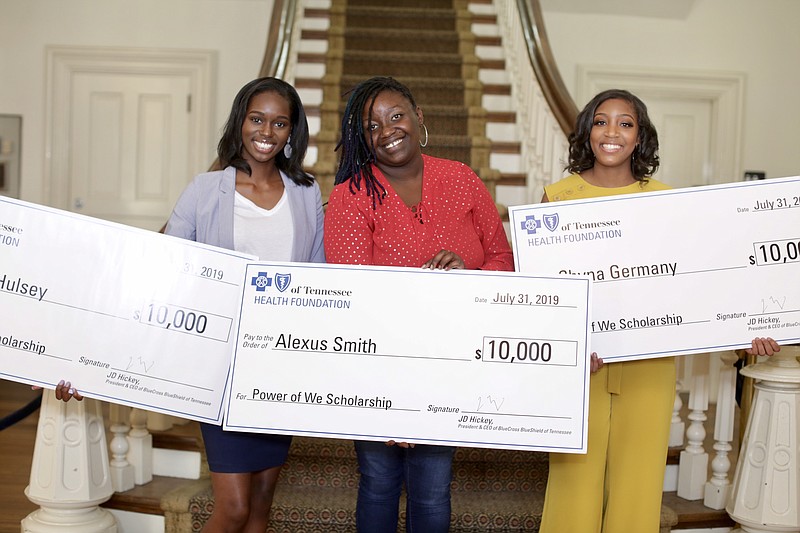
<point>401,444</point>
<point>595,363</point>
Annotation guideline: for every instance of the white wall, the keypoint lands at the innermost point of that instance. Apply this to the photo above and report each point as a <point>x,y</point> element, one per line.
<point>757,37</point>
<point>235,29</point>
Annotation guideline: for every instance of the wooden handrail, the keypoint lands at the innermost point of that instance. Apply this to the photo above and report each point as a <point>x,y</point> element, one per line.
<point>544,65</point>
<point>279,38</point>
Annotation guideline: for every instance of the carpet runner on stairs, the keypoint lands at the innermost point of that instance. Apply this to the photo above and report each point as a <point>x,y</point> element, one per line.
<point>492,490</point>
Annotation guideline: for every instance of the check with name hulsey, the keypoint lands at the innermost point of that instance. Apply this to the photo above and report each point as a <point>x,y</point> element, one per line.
<point>126,315</point>
<point>467,358</point>
<point>675,272</point>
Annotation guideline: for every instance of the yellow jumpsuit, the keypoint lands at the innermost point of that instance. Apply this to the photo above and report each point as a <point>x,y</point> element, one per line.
<point>617,486</point>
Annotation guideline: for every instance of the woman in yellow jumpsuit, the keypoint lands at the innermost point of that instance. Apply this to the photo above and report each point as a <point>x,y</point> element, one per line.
<point>617,486</point>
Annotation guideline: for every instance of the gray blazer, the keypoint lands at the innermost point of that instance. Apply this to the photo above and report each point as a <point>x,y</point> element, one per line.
<point>204,213</point>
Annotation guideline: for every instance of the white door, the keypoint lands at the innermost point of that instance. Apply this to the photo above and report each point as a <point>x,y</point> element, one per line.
<point>684,137</point>
<point>129,150</point>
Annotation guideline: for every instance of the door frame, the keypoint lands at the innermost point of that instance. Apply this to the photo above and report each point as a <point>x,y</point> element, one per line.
<point>724,91</point>
<point>65,62</point>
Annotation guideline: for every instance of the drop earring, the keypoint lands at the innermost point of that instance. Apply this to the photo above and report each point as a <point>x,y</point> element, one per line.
<point>287,148</point>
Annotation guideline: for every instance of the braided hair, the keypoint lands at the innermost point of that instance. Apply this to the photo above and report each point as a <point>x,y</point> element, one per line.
<point>229,149</point>
<point>644,161</point>
<point>357,149</point>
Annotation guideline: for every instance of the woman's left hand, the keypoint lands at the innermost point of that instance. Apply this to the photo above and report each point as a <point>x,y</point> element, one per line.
<point>444,260</point>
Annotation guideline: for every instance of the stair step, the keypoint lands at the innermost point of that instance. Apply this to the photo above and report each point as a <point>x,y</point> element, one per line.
<point>147,498</point>
<point>492,64</point>
<point>506,117</point>
<point>314,35</point>
<point>484,18</point>
<point>497,89</point>
<point>499,147</point>
<point>402,65</point>
<point>308,57</point>
<point>695,515</point>
<point>307,83</point>
<point>428,92</point>
<point>489,40</point>
<point>416,5</point>
<point>316,13</point>
<point>400,18</point>
<point>184,437</point>
<point>397,40</point>
<point>513,179</point>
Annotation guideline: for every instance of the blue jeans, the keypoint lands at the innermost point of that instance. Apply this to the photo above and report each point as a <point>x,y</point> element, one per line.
<point>426,471</point>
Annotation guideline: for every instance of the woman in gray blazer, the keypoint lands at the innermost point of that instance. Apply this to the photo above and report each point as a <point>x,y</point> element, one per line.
<point>262,203</point>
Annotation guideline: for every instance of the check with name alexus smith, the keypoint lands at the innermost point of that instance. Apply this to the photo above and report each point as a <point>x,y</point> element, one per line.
<point>126,315</point>
<point>675,272</point>
<point>467,358</point>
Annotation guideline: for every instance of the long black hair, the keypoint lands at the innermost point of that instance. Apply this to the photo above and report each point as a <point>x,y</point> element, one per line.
<point>229,149</point>
<point>644,161</point>
<point>357,153</point>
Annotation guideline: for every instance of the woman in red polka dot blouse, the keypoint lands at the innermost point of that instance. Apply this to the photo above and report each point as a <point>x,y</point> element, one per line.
<point>394,206</point>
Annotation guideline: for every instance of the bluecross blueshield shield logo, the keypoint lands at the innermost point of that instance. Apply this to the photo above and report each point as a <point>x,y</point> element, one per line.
<point>550,221</point>
<point>261,281</point>
<point>530,224</point>
<point>282,281</point>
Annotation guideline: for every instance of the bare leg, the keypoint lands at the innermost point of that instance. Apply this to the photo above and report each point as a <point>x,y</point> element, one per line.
<point>242,501</point>
<point>262,491</point>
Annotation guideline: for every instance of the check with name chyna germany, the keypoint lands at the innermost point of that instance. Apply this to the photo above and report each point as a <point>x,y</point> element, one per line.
<point>675,272</point>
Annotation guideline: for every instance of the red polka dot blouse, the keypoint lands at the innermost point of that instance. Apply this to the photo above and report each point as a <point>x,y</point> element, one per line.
<point>456,213</point>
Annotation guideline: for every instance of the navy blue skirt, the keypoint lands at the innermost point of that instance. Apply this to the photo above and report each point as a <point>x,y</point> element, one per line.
<point>234,452</point>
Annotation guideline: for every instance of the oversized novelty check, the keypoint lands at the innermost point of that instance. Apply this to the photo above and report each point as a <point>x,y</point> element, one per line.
<point>675,272</point>
<point>376,353</point>
<point>126,315</point>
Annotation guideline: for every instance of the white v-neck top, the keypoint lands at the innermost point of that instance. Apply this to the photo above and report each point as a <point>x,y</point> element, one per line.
<point>266,233</point>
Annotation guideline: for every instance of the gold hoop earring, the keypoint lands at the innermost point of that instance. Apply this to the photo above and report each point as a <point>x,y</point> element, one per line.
<point>423,145</point>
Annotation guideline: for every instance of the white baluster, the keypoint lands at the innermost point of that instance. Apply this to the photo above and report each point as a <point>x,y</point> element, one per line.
<point>677,427</point>
<point>718,487</point>
<point>158,421</point>
<point>693,468</point>
<point>121,470</point>
<point>766,489</point>
<point>69,474</point>
<point>140,453</point>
